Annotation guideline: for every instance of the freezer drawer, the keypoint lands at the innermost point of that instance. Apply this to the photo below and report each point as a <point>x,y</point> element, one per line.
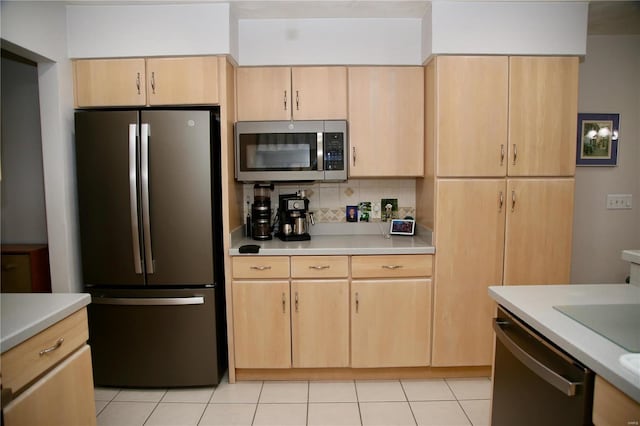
<point>155,338</point>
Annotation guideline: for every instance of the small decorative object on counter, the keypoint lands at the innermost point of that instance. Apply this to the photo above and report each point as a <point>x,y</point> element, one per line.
<point>389,208</point>
<point>364,207</point>
<point>352,213</point>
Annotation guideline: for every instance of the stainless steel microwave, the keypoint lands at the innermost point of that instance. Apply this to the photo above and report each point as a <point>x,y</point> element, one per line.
<point>272,151</point>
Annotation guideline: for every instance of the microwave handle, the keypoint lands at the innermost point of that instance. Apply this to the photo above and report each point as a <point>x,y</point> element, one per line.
<point>320,153</point>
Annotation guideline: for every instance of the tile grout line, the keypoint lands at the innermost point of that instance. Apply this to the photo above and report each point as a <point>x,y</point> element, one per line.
<point>154,409</point>
<point>355,385</point>
<point>255,410</point>
<point>206,405</point>
<point>408,402</point>
<point>458,402</point>
<point>308,398</point>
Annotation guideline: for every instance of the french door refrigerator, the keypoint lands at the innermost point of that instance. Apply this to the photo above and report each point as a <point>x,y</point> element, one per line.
<point>151,245</point>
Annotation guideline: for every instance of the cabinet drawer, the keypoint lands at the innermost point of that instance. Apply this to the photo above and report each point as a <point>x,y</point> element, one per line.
<point>27,361</point>
<point>391,266</point>
<point>261,267</point>
<point>16,273</point>
<point>319,266</point>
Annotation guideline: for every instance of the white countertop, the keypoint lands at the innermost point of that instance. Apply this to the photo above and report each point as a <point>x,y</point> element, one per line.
<point>632,256</point>
<point>23,315</point>
<point>342,239</point>
<point>534,305</point>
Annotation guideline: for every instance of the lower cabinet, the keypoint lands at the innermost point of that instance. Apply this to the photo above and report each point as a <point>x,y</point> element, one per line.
<point>320,323</point>
<point>60,398</point>
<point>305,312</point>
<point>390,323</point>
<point>612,407</point>
<point>262,324</point>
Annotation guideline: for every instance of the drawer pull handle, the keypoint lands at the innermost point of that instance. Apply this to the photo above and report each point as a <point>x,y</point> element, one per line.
<point>392,267</point>
<point>261,268</point>
<point>357,302</point>
<point>319,267</point>
<point>9,267</point>
<point>52,348</point>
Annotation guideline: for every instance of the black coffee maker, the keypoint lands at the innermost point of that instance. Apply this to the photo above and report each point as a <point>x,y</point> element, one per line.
<point>293,211</point>
<point>261,212</point>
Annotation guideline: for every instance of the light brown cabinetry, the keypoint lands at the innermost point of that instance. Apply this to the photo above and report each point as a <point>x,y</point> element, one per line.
<point>386,121</point>
<point>611,407</point>
<point>298,93</point>
<point>152,81</point>
<point>518,115</point>
<point>500,199</point>
<point>390,315</point>
<point>50,376</point>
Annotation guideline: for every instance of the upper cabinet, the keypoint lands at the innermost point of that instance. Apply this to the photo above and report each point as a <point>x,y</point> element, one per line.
<point>543,109</point>
<point>298,93</point>
<point>471,95</point>
<point>110,82</point>
<point>173,81</point>
<point>386,121</point>
<point>498,116</point>
<point>153,81</point>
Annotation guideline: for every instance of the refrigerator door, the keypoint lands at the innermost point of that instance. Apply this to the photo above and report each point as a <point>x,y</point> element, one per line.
<point>156,337</point>
<point>177,199</point>
<point>107,180</point>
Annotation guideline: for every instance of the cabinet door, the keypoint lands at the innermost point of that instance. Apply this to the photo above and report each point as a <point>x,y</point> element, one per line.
<point>470,237</point>
<point>320,323</point>
<point>319,93</point>
<point>109,82</point>
<point>390,323</point>
<point>539,231</point>
<point>386,121</point>
<point>62,397</point>
<point>471,130</point>
<point>181,81</point>
<point>264,93</point>
<point>261,324</point>
<point>543,108</point>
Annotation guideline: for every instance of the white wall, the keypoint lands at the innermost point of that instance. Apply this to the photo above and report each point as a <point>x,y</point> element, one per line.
<point>38,32</point>
<point>330,41</point>
<point>521,28</point>
<point>609,83</point>
<point>148,30</point>
<point>23,209</point>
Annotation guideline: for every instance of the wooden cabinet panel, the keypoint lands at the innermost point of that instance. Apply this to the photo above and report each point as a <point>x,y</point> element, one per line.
<point>25,269</point>
<point>179,81</point>
<point>390,323</point>
<point>320,323</point>
<point>59,398</point>
<point>261,324</point>
<point>24,363</point>
<point>471,104</point>
<point>470,241</point>
<point>543,108</point>
<point>264,93</point>
<point>611,407</point>
<point>110,82</point>
<point>260,267</point>
<point>319,93</point>
<point>391,266</point>
<point>386,121</point>
<point>319,266</point>
<point>539,228</point>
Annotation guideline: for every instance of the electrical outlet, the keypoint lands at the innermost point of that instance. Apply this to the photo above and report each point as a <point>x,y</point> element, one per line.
<point>619,201</point>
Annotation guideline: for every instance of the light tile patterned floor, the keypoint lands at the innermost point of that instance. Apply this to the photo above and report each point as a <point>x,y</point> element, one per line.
<point>437,402</point>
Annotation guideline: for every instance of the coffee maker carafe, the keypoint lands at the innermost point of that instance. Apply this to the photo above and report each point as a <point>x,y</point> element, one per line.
<point>261,212</point>
<point>293,211</point>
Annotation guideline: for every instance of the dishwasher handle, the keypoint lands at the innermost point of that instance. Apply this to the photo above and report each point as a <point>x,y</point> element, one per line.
<point>567,387</point>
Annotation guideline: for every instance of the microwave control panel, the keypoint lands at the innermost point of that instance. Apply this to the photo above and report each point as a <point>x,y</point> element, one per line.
<point>334,151</point>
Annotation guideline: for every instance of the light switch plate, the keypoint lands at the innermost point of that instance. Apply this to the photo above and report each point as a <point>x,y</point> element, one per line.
<point>619,201</point>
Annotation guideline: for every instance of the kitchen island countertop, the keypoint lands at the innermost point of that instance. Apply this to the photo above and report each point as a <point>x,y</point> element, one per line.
<point>535,306</point>
<point>23,315</point>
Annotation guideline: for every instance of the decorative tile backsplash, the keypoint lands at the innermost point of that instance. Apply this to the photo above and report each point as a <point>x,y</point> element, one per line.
<point>328,201</point>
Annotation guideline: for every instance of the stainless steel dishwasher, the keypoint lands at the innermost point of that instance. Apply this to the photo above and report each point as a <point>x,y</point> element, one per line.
<point>535,382</point>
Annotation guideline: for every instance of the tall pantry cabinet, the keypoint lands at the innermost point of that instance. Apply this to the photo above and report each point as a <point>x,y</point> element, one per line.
<point>498,187</point>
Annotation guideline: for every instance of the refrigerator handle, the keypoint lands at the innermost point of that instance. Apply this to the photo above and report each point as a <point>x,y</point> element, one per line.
<point>133,199</point>
<point>144,173</point>
<point>148,301</point>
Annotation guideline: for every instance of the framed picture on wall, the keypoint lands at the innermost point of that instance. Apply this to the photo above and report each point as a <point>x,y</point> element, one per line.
<point>597,143</point>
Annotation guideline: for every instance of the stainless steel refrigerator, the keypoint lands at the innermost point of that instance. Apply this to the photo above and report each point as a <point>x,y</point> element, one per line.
<point>151,245</point>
